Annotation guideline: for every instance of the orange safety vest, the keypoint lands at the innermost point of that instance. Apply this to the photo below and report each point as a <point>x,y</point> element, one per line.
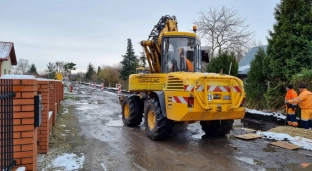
<point>290,95</point>
<point>304,99</point>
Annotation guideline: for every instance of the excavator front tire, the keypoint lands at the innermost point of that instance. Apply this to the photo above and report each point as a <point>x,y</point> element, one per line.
<point>217,127</point>
<point>157,126</point>
<point>132,111</point>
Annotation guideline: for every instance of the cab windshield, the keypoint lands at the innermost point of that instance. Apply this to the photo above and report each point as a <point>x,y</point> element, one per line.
<point>178,54</point>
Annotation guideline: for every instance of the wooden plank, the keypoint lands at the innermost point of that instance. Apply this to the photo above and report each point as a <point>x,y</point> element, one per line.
<point>286,145</point>
<point>248,136</point>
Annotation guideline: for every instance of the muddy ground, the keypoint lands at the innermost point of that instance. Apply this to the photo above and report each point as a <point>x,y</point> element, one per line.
<point>90,123</point>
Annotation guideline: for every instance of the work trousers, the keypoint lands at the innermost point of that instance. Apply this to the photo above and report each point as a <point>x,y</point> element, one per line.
<point>291,117</point>
<point>306,118</point>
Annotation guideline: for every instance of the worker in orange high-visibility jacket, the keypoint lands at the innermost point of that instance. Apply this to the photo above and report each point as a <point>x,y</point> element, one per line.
<point>305,103</point>
<point>291,107</point>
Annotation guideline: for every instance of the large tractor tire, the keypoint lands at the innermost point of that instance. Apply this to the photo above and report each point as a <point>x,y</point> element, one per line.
<point>217,127</point>
<point>157,126</point>
<point>132,111</point>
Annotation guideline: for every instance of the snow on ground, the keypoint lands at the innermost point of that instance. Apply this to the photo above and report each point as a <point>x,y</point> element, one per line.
<point>274,114</point>
<point>21,169</point>
<point>196,131</point>
<point>297,140</point>
<point>69,161</point>
<point>114,123</point>
<point>65,110</point>
<point>84,108</point>
<point>110,93</point>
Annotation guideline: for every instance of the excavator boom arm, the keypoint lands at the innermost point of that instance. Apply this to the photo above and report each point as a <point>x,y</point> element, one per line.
<point>152,46</point>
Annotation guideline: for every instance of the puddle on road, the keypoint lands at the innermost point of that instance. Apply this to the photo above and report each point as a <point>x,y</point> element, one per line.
<point>117,123</point>
<point>269,149</point>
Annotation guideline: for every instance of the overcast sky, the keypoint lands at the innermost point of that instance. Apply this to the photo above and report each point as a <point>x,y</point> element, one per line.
<point>96,31</point>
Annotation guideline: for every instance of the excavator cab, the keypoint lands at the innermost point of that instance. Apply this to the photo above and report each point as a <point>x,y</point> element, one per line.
<point>181,54</point>
<point>142,70</point>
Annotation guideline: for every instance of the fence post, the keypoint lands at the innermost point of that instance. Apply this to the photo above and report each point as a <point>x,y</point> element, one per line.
<point>6,124</point>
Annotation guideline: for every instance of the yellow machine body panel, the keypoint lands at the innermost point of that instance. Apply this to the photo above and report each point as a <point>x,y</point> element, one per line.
<point>215,97</point>
<point>146,82</point>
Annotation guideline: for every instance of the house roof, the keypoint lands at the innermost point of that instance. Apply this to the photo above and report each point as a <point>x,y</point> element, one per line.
<point>244,64</point>
<point>7,52</point>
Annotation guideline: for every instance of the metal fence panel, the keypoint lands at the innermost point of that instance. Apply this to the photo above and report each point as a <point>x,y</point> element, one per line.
<point>6,125</point>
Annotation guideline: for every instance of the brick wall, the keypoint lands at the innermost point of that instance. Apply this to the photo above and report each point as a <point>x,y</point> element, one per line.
<point>43,130</point>
<point>25,134</point>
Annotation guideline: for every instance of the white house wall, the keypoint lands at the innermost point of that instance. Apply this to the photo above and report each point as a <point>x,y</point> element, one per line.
<point>6,67</point>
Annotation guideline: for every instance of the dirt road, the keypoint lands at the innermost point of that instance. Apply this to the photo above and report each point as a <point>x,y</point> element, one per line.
<point>93,118</point>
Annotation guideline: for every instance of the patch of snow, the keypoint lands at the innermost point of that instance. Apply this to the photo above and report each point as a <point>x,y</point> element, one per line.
<point>243,68</point>
<point>257,112</point>
<point>246,160</point>
<point>63,134</point>
<point>110,93</point>
<point>63,125</point>
<point>199,135</point>
<point>50,114</point>
<point>65,110</point>
<point>18,77</point>
<point>104,168</point>
<point>120,116</point>
<point>69,161</point>
<point>84,108</point>
<point>297,140</point>
<point>114,123</point>
<point>21,168</point>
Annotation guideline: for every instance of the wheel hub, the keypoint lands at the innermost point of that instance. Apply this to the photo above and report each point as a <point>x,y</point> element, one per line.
<point>126,111</point>
<point>151,119</point>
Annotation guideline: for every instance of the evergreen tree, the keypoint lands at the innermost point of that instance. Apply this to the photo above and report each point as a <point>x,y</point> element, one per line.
<point>289,46</point>
<point>255,84</point>
<point>98,70</point>
<point>129,62</point>
<point>90,72</point>
<point>51,70</point>
<point>223,62</point>
<point>32,70</point>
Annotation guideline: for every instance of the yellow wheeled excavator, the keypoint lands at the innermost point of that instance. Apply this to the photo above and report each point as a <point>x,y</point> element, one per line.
<point>175,89</point>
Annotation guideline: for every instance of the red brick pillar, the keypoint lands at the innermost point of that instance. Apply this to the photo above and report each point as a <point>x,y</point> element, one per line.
<point>25,134</point>
<point>52,98</point>
<point>43,130</point>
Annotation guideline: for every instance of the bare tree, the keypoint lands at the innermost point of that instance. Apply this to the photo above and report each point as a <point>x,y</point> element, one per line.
<point>60,66</point>
<point>22,66</point>
<point>225,30</point>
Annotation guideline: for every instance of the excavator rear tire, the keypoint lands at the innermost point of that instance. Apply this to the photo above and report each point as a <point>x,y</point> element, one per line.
<point>132,111</point>
<point>215,128</point>
<point>157,127</point>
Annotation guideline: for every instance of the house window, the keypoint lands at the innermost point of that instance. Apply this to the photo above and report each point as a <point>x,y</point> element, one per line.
<point>4,71</point>
<point>9,72</point>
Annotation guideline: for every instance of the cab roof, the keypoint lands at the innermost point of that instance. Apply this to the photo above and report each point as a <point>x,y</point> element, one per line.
<point>180,33</point>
